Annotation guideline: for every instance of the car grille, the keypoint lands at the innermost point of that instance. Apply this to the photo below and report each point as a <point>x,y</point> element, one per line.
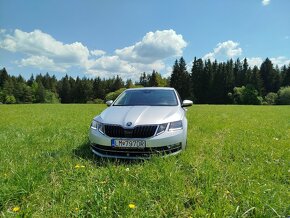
<point>137,132</point>
<point>109,151</point>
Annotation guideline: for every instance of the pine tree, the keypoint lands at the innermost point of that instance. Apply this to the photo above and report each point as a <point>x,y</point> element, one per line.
<point>269,76</point>
<point>153,81</point>
<point>3,77</point>
<point>238,73</point>
<point>229,80</point>
<point>162,82</point>
<point>53,83</point>
<point>46,81</point>
<point>64,90</point>
<point>180,79</point>
<point>78,91</point>
<point>30,81</point>
<point>18,92</point>
<point>8,87</point>
<point>87,86</point>
<point>199,80</point>
<point>244,73</point>
<point>211,91</point>
<point>40,93</point>
<point>256,80</point>
<point>117,84</point>
<point>276,79</point>
<point>207,80</point>
<point>285,76</point>
<point>175,79</point>
<point>143,80</point>
<point>220,93</point>
<point>98,89</point>
<point>27,94</point>
<point>129,84</point>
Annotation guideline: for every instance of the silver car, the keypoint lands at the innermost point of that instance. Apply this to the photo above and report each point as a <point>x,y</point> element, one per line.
<point>139,123</point>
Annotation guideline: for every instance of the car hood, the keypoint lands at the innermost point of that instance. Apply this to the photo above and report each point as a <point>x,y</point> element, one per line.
<point>140,115</point>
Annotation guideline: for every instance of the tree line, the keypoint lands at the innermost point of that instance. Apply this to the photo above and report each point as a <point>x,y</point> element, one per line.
<point>208,82</point>
<point>47,89</point>
<point>231,82</point>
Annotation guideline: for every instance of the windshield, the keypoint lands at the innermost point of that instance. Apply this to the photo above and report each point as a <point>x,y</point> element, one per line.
<point>149,97</point>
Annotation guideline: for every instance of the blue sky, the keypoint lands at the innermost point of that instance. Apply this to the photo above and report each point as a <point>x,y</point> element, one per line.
<point>105,37</point>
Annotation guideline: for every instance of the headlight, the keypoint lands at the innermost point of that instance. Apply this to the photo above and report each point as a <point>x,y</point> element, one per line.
<point>94,124</point>
<point>175,125</point>
<point>161,128</point>
<point>99,126</point>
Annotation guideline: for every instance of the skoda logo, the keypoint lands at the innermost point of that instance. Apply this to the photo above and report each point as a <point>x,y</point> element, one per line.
<point>129,124</point>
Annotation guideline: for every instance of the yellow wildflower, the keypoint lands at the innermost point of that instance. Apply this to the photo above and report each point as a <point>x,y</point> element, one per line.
<point>16,209</point>
<point>132,206</point>
<point>77,209</point>
<point>79,166</point>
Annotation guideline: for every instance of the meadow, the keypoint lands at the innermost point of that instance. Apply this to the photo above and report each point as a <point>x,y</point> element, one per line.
<point>237,164</point>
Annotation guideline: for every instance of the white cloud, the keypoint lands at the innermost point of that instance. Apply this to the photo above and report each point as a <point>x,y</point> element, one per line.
<point>168,72</point>
<point>40,50</point>
<point>230,49</point>
<point>280,61</point>
<point>97,52</point>
<point>108,66</point>
<point>255,61</point>
<point>40,62</point>
<point>111,64</point>
<point>154,46</point>
<point>2,31</point>
<point>210,56</point>
<point>266,2</point>
<point>40,44</point>
<point>143,56</point>
<point>157,65</point>
<point>224,50</point>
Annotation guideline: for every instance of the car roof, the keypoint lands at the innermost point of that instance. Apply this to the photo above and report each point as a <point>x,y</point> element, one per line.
<point>151,88</point>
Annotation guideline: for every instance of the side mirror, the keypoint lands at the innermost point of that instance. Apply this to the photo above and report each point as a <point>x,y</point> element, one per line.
<point>186,103</point>
<point>109,102</point>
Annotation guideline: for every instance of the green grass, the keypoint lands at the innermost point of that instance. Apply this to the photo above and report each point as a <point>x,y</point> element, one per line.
<point>237,164</point>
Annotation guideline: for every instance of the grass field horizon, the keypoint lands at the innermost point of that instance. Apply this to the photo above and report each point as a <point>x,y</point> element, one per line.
<point>236,164</point>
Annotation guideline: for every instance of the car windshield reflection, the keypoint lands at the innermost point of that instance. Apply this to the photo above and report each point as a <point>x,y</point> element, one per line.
<point>147,98</point>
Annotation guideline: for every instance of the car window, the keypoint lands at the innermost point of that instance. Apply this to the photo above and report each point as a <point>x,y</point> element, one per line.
<point>150,97</point>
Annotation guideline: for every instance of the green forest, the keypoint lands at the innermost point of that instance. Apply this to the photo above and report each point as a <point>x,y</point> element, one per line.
<point>208,82</point>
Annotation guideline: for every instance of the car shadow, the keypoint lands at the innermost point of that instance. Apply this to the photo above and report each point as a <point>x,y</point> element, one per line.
<point>84,152</point>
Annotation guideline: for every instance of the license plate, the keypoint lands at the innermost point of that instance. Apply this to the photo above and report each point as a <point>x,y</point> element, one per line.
<point>128,143</point>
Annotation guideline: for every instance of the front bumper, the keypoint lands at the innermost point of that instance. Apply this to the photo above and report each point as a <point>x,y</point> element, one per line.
<point>145,153</point>
<point>167,143</point>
